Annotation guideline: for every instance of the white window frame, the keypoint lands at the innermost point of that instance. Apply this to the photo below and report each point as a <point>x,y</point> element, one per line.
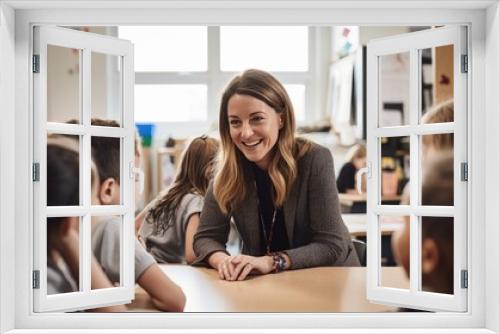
<point>215,79</point>
<point>483,17</point>
<point>86,43</point>
<point>414,129</point>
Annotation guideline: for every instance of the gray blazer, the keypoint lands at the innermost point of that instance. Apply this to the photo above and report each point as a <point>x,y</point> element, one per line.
<point>316,232</point>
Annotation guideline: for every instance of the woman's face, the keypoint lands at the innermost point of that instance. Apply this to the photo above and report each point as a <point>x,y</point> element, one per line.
<point>254,128</point>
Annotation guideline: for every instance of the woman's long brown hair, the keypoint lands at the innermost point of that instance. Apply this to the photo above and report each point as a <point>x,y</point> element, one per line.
<point>191,178</point>
<point>232,180</point>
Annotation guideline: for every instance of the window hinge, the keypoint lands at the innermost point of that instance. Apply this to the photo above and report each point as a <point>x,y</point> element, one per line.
<point>465,65</point>
<point>464,279</point>
<point>36,172</point>
<point>464,175</point>
<point>36,63</point>
<point>36,279</point>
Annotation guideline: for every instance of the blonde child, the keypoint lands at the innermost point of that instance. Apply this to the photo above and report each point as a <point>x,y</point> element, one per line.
<point>169,222</point>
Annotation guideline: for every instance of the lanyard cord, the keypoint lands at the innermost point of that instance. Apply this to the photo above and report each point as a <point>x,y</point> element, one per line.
<point>267,238</point>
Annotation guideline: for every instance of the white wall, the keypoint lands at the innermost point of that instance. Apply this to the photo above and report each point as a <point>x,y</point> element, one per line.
<point>7,167</point>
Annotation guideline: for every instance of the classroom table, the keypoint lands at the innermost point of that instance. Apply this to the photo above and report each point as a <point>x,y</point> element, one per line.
<point>323,289</point>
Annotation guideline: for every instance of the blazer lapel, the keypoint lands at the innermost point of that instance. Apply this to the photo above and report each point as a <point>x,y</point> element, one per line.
<point>289,211</point>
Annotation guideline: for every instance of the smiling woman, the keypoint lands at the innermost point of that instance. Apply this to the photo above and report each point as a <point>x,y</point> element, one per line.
<point>280,190</point>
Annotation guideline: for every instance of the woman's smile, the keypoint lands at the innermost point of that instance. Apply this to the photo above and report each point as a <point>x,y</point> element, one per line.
<point>254,128</point>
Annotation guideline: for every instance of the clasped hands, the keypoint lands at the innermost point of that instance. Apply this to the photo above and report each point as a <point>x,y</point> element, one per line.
<point>237,268</point>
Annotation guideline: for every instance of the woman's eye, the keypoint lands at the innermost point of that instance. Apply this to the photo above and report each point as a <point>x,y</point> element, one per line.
<point>234,122</point>
<point>257,119</point>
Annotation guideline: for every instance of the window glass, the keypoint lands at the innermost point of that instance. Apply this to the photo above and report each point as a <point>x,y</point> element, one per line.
<point>437,150</point>
<point>267,48</point>
<point>437,254</point>
<point>106,154</point>
<point>63,255</point>
<point>106,87</point>
<point>170,103</point>
<point>65,167</point>
<point>63,84</point>
<point>394,234</point>
<point>394,89</point>
<point>437,80</point>
<point>106,245</point>
<point>395,170</point>
<point>172,48</point>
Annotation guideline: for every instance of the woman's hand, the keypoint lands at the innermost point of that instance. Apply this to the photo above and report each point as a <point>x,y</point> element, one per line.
<point>237,268</point>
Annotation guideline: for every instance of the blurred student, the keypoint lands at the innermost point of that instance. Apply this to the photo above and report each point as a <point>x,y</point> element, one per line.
<point>63,253</point>
<point>437,232</point>
<point>356,159</point>
<point>106,231</point>
<point>170,221</point>
<point>440,113</point>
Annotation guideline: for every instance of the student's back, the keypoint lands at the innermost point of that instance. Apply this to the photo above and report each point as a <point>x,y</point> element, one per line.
<point>168,223</point>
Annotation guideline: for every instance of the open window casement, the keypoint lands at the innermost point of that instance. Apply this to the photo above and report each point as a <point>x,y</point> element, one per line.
<point>97,74</point>
<point>408,74</point>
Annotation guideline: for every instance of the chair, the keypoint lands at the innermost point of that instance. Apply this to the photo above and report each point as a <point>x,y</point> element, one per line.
<point>360,248</point>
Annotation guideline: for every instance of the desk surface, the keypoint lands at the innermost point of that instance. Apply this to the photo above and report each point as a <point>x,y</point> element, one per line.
<point>325,289</point>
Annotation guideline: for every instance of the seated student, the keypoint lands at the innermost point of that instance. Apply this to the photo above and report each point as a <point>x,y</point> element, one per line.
<point>437,232</point>
<point>170,221</point>
<point>356,159</point>
<point>165,294</point>
<point>63,262</point>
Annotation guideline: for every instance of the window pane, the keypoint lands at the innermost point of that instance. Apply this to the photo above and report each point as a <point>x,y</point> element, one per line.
<point>395,170</point>
<point>394,93</point>
<point>63,170</point>
<point>172,48</point>
<point>394,234</point>
<point>106,241</point>
<point>63,84</point>
<point>63,255</point>
<point>170,103</point>
<point>437,254</point>
<point>297,94</point>
<point>106,87</point>
<point>437,71</point>
<point>106,154</point>
<point>437,165</point>
<point>266,48</point>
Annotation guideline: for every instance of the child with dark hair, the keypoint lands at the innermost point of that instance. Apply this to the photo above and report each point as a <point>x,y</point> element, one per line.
<point>171,220</point>
<point>165,294</point>
<point>437,232</point>
<point>63,262</point>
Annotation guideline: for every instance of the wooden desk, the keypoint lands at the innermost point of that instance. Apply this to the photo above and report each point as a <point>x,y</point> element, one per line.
<point>325,289</point>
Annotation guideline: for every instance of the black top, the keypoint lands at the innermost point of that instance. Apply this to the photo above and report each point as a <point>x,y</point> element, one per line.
<point>347,178</point>
<point>279,239</point>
